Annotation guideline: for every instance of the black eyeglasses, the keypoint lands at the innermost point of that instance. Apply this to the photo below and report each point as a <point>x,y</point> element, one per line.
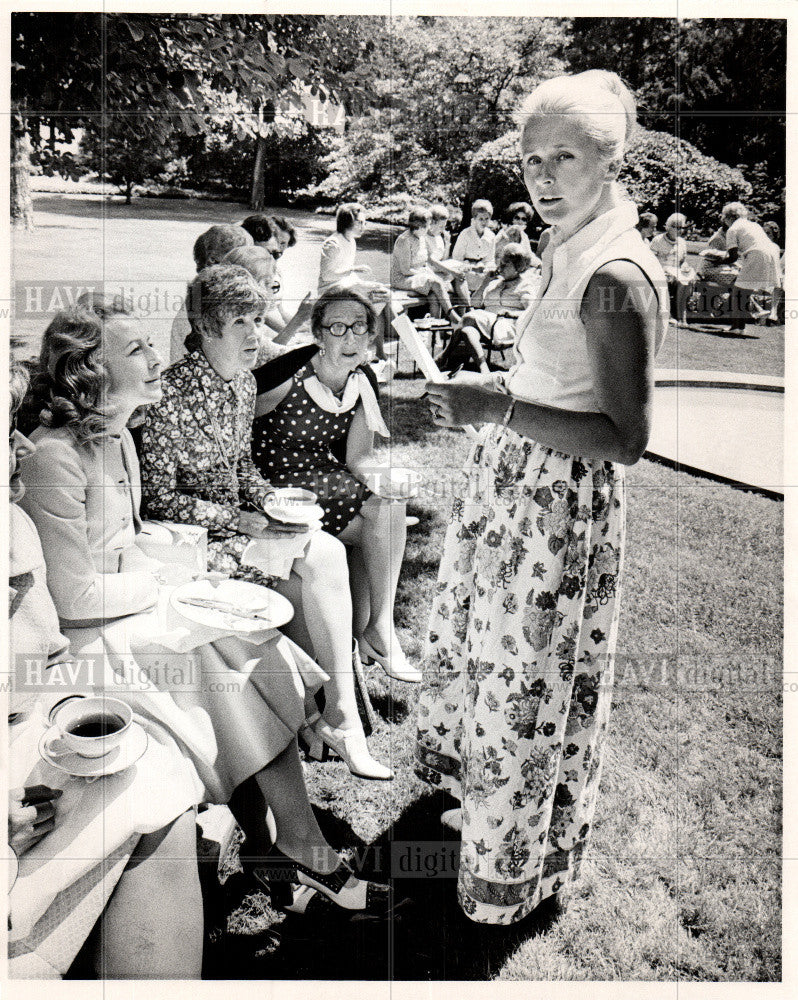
<point>360,328</point>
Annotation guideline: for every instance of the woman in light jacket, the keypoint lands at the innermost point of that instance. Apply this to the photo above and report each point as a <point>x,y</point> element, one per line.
<point>238,722</point>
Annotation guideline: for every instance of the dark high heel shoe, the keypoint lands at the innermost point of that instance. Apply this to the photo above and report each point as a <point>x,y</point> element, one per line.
<point>277,873</point>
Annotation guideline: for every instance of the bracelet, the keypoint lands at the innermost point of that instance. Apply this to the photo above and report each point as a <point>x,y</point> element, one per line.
<point>508,416</point>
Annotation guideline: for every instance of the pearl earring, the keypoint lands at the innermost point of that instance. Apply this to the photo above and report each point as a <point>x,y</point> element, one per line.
<point>322,351</point>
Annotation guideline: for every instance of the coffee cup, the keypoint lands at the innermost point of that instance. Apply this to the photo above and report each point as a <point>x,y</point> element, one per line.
<point>89,727</point>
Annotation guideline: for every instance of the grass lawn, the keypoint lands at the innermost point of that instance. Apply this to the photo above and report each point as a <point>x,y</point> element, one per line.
<point>683,878</point>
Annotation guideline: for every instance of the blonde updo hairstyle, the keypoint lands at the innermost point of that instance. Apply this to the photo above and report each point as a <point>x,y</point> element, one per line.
<point>601,102</point>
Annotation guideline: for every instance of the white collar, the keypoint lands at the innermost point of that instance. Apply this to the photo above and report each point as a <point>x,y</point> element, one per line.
<point>357,389</point>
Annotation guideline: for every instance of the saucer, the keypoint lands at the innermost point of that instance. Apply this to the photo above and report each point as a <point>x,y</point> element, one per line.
<point>394,483</point>
<point>123,756</point>
<point>293,505</point>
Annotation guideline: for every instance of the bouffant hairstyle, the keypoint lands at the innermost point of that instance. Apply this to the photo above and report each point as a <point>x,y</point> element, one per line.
<point>217,294</point>
<point>71,382</point>
<point>259,227</point>
<point>218,241</point>
<point>282,223</point>
<point>677,219</point>
<point>418,217</point>
<point>734,210</point>
<point>597,99</point>
<point>347,215</point>
<point>438,212</point>
<point>482,205</point>
<point>647,219</point>
<point>18,382</point>
<point>520,208</point>
<point>257,260</point>
<point>336,293</point>
<point>516,255</point>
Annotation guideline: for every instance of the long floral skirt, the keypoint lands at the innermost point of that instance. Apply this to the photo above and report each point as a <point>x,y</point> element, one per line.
<point>519,666</point>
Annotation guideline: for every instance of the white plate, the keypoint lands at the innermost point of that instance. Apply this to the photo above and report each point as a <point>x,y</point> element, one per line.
<point>293,505</point>
<point>130,750</point>
<point>276,609</point>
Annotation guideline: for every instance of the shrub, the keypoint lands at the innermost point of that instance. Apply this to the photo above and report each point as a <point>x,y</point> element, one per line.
<point>383,166</point>
<point>660,173</point>
<point>223,160</point>
<point>664,174</point>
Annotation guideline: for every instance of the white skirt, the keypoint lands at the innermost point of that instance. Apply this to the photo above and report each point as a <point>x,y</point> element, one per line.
<point>760,269</point>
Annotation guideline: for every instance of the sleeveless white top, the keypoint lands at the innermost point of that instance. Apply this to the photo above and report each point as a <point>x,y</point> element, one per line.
<point>552,364</point>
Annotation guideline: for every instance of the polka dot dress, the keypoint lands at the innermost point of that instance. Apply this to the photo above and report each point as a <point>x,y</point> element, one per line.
<point>297,444</point>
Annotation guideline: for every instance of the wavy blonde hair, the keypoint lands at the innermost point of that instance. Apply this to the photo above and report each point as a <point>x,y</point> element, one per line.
<point>18,384</point>
<point>71,383</point>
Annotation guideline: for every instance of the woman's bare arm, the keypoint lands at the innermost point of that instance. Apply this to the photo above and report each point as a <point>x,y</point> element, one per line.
<point>619,312</point>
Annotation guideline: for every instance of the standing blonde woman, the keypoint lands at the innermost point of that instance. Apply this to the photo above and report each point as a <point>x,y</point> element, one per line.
<point>519,665</point>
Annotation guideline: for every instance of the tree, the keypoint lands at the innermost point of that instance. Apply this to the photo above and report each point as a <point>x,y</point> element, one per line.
<point>123,155</point>
<point>163,74</point>
<point>444,85</point>
<point>720,83</point>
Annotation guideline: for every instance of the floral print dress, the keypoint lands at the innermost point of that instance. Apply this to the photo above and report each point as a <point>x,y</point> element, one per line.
<point>196,460</point>
<point>519,665</point>
<point>518,671</point>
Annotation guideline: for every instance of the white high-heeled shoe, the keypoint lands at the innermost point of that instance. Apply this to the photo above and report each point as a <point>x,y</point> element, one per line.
<point>351,747</point>
<point>395,665</point>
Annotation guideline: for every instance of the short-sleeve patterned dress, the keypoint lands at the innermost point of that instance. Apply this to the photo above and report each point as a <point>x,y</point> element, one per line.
<point>301,444</point>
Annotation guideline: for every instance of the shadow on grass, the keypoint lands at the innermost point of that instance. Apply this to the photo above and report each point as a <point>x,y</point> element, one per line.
<point>428,937</point>
<point>390,708</point>
<point>417,566</point>
<point>724,332</point>
<point>411,421</point>
<point>436,941</point>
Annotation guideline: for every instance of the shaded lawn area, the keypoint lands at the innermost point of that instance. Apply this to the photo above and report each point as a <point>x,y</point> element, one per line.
<point>757,350</point>
<point>682,880</point>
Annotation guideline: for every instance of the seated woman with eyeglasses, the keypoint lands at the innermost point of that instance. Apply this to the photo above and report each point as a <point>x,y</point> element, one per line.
<point>314,428</point>
<point>499,304</point>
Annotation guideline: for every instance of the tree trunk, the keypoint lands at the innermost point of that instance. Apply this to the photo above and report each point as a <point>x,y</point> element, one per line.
<point>258,198</point>
<point>129,192</point>
<point>258,195</point>
<point>21,202</point>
